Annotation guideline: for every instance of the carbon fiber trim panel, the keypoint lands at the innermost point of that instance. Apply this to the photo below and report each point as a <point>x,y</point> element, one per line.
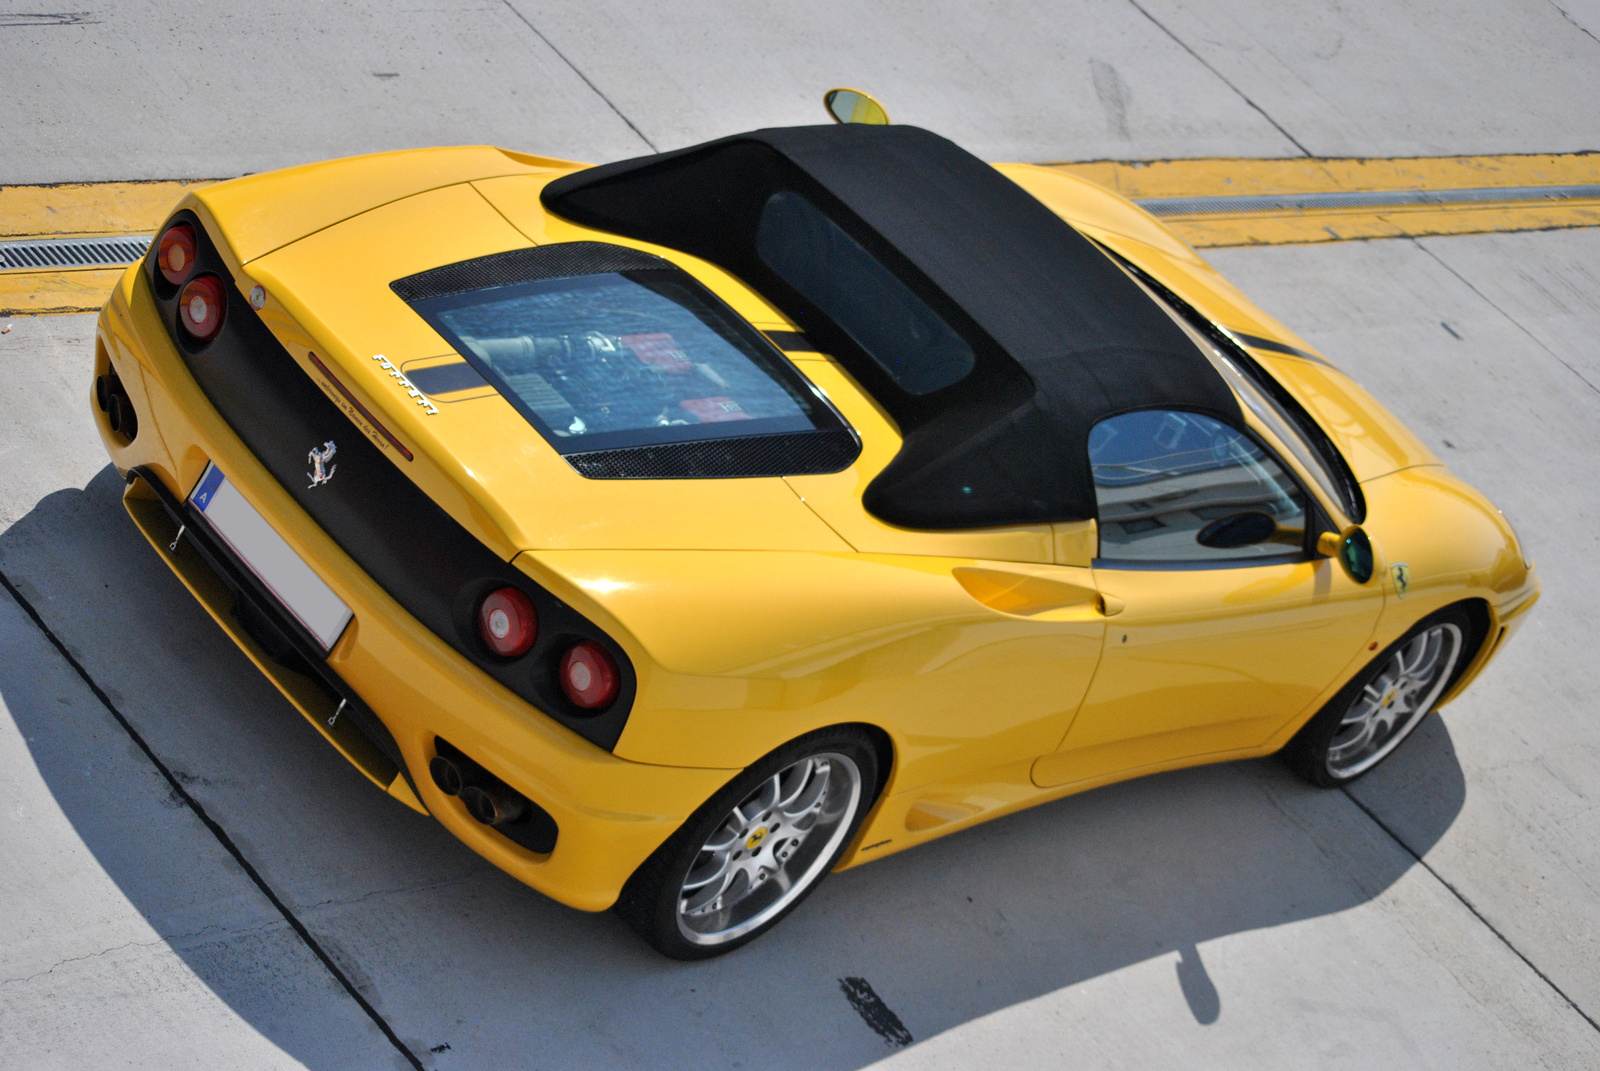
<point>766,455</point>
<point>559,261</point>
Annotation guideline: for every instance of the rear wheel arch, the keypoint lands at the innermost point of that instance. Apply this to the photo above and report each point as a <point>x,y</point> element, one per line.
<point>652,900</point>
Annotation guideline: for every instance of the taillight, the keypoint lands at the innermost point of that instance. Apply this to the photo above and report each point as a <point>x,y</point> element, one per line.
<point>507,622</point>
<point>175,255</point>
<point>200,307</point>
<point>589,675</point>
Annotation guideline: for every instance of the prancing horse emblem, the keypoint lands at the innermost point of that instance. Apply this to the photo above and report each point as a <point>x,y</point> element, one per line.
<point>321,472</point>
<point>1402,578</point>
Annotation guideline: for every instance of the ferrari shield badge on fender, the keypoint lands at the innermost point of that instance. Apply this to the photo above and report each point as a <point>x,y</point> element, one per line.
<point>321,472</point>
<point>1402,578</point>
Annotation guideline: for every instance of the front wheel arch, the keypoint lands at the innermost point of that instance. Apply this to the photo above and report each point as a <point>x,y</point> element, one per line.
<point>1307,752</point>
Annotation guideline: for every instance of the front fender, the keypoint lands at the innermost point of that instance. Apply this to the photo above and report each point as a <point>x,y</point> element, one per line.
<point>1442,542</point>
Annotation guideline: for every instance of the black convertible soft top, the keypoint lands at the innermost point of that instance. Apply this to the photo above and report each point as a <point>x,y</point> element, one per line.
<point>1042,334</point>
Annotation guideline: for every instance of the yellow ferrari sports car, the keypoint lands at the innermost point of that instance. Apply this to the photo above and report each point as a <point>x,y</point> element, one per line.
<point>679,530</point>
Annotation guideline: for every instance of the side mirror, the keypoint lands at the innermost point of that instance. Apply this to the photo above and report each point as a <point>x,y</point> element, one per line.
<point>1237,530</point>
<point>854,106</point>
<point>1353,549</point>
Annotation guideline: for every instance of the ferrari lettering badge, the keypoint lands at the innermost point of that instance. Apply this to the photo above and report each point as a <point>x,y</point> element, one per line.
<point>411,391</point>
<point>319,458</point>
<point>1402,578</point>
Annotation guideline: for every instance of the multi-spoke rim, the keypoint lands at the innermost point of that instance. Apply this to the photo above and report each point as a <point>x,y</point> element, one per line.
<point>769,849</point>
<point>1394,701</point>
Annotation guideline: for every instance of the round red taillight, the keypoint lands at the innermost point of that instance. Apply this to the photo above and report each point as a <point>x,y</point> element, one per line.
<point>589,675</point>
<point>200,307</point>
<point>175,255</point>
<point>507,622</point>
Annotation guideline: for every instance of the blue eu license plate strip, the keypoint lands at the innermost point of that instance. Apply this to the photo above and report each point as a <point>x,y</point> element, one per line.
<point>296,586</point>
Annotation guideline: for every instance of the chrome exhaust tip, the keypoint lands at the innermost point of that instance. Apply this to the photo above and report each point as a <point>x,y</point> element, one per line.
<point>447,775</point>
<point>492,807</point>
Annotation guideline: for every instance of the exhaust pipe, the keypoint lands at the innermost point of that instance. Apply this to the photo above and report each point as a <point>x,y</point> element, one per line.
<point>494,807</point>
<point>113,400</point>
<point>488,799</point>
<point>447,775</point>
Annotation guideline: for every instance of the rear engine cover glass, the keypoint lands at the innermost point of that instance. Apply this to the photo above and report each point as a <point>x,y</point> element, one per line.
<point>612,361</point>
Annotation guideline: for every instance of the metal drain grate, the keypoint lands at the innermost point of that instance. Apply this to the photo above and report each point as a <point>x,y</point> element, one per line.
<point>73,252</point>
<point>1303,202</point>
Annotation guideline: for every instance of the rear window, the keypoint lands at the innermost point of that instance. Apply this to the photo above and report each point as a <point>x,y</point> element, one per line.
<point>898,330</point>
<point>618,360</point>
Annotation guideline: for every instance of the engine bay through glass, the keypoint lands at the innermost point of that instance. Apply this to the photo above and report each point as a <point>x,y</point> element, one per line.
<point>627,359</point>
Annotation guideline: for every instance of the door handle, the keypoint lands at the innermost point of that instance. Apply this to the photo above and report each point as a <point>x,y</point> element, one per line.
<point>1093,609</point>
<point>1037,596</point>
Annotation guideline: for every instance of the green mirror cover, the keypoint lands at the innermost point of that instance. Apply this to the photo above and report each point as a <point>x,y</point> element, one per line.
<point>1356,554</point>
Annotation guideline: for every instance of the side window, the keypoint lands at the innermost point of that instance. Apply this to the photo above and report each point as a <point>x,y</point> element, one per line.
<point>1173,486</point>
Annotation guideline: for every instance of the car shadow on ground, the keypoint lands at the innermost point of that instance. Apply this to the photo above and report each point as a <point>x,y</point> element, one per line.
<point>472,969</point>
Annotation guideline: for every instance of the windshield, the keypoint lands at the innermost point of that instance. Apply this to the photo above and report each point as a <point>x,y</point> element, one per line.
<point>1266,408</point>
<point>618,360</point>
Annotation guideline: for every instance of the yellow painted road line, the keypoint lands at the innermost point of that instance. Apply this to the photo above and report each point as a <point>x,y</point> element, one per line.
<point>70,210</point>
<point>72,290</point>
<point>1230,177</point>
<point>84,209</point>
<point>1341,225</point>
<point>77,210</point>
<point>1222,176</point>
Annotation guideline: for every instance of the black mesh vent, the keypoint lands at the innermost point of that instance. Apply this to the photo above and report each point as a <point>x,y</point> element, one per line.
<point>806,454</point>
<point>559,261</point>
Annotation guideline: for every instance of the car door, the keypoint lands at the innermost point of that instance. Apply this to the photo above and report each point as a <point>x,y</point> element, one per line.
<point>1218,633</point>
<point>1035,629</point>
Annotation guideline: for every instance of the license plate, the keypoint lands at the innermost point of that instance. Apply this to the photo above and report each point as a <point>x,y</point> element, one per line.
<point>298,589</point>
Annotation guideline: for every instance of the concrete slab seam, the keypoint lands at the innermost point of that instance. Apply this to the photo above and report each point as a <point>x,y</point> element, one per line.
<point>1568,16</point>
<point>1509,318</point>
<point>1470,906</point>
<point>1220,76</point>
<point>214,827</point>
<point>562,56</point>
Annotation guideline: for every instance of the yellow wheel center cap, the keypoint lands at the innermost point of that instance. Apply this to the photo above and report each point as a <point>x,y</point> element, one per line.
<point>754,840</point>
<point>1390,697</point>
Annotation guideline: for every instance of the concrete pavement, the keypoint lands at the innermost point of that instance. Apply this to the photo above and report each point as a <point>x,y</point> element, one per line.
<point>160,89</point>
<point>1444,913</point>
<point>129,936</point>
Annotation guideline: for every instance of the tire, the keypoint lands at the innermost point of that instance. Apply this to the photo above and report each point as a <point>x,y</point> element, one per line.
<point>1363,724</point>
<point>756,849</point>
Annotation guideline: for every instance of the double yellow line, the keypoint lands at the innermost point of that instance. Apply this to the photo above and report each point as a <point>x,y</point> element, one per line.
<point>1209,202</point>
<point>1247,196</point>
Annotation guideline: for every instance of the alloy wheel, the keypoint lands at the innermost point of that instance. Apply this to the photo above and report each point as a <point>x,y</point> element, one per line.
<point>1394,700</point>
<point>769,849</point>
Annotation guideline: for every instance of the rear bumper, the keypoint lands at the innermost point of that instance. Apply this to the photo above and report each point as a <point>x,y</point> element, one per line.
<point>406,684</point>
